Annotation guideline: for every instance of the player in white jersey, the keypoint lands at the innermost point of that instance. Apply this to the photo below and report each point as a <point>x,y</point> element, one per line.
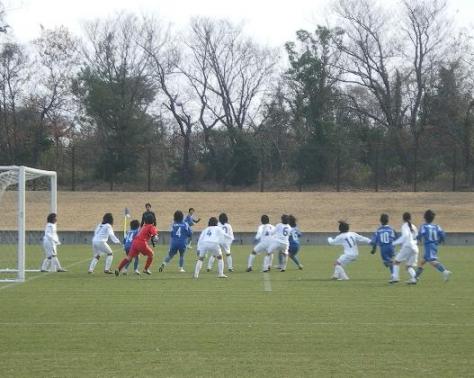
<point>349,241</point>
<point>210,241</point>
<point>263,238</point>
<point>408,251</point>
<point>50,243</point>
<point>227,228</point>
<point>279,243</point>
<point>102,233</point>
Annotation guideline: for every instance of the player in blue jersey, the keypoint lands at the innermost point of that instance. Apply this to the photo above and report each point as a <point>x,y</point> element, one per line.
<point>191,221</point>
<point>127,243</point>
<point>180,234</point>
<point>384,237</point>
<point>294,247</point>
<point>432,235</point>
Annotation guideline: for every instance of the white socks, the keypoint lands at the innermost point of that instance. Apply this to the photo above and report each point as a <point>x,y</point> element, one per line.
<point>197,268</point>
<point>267,262</point>
<point>210,262</point>
<point>285,262</point>
<point>93,264</point>
<point>229,262</point>
<point>45,264</point>
<point>396,272</point>
<point>108,262</point>
<point>55,264</point>
<point>220,267</point>
<point>412,272</point>
<point>250,260</point>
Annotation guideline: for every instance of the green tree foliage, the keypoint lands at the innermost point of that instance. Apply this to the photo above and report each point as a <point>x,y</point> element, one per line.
<point>312,89</point>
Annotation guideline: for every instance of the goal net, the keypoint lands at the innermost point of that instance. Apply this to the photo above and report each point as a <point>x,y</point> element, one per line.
<point>23,213</point>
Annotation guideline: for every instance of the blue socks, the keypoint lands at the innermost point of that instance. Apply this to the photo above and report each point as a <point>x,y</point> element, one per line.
<point>440,267</point>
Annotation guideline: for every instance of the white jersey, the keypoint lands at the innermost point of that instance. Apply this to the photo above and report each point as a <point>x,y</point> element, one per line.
<point>227,228</point>
<point>349,241</point>
<point>281,233</point>
<point>103,232</point>
<point>213,234</point>
<point>264,232</point>
<point>50,234</point>
<point>408,237</point>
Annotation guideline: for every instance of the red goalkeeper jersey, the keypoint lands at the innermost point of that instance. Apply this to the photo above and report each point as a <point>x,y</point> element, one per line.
<point>146,233</point>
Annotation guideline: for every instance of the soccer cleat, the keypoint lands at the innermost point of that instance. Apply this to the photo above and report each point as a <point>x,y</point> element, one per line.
<point>162,266</point>
<point>282,270</point>
<point>90,271</point>
<point>343,279</point>
<point>108,272</point>
<point>208,269</point>
<point>137,272</point>
<point>266,271</point>
<point>300,267</point>
<point>411,281</point>
<point>61,270</point>
<point>181,270</point>
<point>446,275</point>
<point>392,281</point>
<point>44,271</point>
<point>222,276</point>
<point>117,272</point>
<point>147,271</point>
<point>230,269</point>
<point>249,269</point>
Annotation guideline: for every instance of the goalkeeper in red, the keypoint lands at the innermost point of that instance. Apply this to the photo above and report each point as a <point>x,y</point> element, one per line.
<point>140,245</point>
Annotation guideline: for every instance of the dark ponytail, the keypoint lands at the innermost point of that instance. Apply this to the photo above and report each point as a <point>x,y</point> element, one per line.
<point>407,218</point>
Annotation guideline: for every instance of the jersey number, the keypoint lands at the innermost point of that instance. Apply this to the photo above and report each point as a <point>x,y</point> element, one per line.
<point>432,234</point>
<point>348,240</point>
<point>385,237</point>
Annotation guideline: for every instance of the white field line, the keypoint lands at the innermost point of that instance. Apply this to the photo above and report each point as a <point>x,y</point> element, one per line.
<point>40,276</point>
<point>142,323</point>
<point>267,282</point>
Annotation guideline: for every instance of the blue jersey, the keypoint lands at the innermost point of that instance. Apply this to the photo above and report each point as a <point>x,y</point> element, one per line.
<point>180,233</point>
<point>384,237</point>
<point>127,242</point>
<point>294,239</point>
<point>189,220</point>
<point>432,235</point>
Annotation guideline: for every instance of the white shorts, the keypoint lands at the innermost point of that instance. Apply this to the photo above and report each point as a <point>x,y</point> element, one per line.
<point>408,254</point>
<point>205,247</point>
<point>262,246</point>
<point>99,248</point>
<point>345,259</point>
<point>277,247</point>
<point>226,248</point>
<point>49,248</point>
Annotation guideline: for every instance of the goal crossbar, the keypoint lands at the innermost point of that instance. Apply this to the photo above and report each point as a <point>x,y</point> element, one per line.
<point>11,175</point>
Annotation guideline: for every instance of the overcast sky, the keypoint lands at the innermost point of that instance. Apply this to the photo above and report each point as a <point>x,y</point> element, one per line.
<point>272,22</point>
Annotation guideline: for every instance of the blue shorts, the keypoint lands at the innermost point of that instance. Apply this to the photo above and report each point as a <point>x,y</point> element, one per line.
<point>175,248</point>
<point>431,254</point>
<point>387,254</point>
<point>293,249</point>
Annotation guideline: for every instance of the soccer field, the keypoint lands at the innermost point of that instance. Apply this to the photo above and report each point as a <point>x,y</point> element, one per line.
<point>297,323</point>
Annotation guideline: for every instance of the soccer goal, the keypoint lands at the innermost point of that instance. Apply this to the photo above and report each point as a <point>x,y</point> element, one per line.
<point>16,201</point>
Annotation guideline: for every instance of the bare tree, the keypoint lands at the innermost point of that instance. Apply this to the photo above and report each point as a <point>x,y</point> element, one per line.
<point>394,67</point>
<point>55,67</point>
<point>14,75</point>
<point>233,68</point>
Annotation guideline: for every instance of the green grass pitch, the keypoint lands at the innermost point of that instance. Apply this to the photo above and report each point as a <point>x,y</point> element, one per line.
<point>169,325</point>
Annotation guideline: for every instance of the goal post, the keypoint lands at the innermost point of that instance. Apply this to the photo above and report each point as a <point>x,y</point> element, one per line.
<point>19,176</point>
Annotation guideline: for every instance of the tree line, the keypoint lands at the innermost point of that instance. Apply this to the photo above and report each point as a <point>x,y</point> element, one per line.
<point>379,99</point>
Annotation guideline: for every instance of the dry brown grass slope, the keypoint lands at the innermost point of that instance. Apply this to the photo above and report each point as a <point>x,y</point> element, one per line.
<point>316,211</point>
